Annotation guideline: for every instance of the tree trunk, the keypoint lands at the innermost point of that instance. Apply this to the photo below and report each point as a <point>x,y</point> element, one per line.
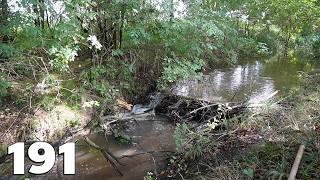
<point>171,10</point>
<point>114,35</point>
<point>4,19</point>
<point>39,10</point>
<point>4,11</point>
<point>286,44</point>
<point>36,11</point>
<point>121,26</point>
<point>42,12</point>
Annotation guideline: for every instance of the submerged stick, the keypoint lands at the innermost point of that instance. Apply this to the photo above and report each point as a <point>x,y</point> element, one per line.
<point>296,163</point>
<point>108,155</point>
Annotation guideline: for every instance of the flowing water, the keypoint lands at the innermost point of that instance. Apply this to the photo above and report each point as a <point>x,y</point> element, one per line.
<point>251,81</point>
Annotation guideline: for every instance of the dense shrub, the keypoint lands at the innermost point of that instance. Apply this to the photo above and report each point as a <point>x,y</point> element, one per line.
<point>308,46</point>
<point>176,69</point>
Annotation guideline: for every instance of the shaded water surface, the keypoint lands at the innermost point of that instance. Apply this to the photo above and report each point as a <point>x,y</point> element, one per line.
<point>251,81</point>
<point>148,152</point>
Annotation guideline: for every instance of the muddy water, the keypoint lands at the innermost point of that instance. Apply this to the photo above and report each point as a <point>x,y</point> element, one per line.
<point>251,81</point>
<point>151,140</point>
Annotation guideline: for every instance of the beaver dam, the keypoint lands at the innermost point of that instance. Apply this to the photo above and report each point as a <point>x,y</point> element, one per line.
<point>144,141</point>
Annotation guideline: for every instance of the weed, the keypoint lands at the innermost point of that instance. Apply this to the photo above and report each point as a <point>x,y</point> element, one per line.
<point>190,143</point>
<point>121,137</point>
<point>4,86</point>
<point>47,102</point>
<point>149,176</point>
<point>73,123</point>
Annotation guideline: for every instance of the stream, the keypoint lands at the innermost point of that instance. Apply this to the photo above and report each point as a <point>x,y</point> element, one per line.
<point>152,138</point>
<point>249,81</point>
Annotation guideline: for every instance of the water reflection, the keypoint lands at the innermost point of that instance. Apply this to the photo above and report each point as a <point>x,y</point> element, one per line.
<point>253,81</point>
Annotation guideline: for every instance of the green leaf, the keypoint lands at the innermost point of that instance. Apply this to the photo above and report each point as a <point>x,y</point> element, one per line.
<point>249,172</point>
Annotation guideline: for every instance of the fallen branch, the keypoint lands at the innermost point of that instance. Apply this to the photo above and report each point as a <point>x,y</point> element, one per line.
<point>143,153</point>
<point>201,108</point>
<point>108,155</point>
<point>127,117</point>
<point>296,163</point>
<point>180,108</point>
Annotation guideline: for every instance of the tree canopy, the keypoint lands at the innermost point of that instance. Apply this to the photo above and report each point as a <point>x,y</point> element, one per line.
<point>181,36</point>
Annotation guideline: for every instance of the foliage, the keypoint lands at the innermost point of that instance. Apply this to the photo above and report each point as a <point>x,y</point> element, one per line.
<point>190,144</point>
<point>47,102</point>
<point>61,57</point>
<point>308,46</point>
<point>6,50</point>
<point>176,69</point>
<point>101,87</point>
<point>108,80</point>
<point>149,176</point>
<point>121,136</point>
<point>73,123</point>
<point>262,49</point>
<point>249,172</point>
<point>4,86</point>
<point>204,32</point>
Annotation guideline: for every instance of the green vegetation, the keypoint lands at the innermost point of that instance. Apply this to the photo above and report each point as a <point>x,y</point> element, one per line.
<point>67,61</point>
<point>183,136</point>
<point>177,69</point>
<point>4,86</point>
<point>163,40</point>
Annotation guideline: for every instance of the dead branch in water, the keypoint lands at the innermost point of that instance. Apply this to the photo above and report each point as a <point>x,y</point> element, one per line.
<point>181,108</point>
<point>108,155</point>
<point>143,153</point>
